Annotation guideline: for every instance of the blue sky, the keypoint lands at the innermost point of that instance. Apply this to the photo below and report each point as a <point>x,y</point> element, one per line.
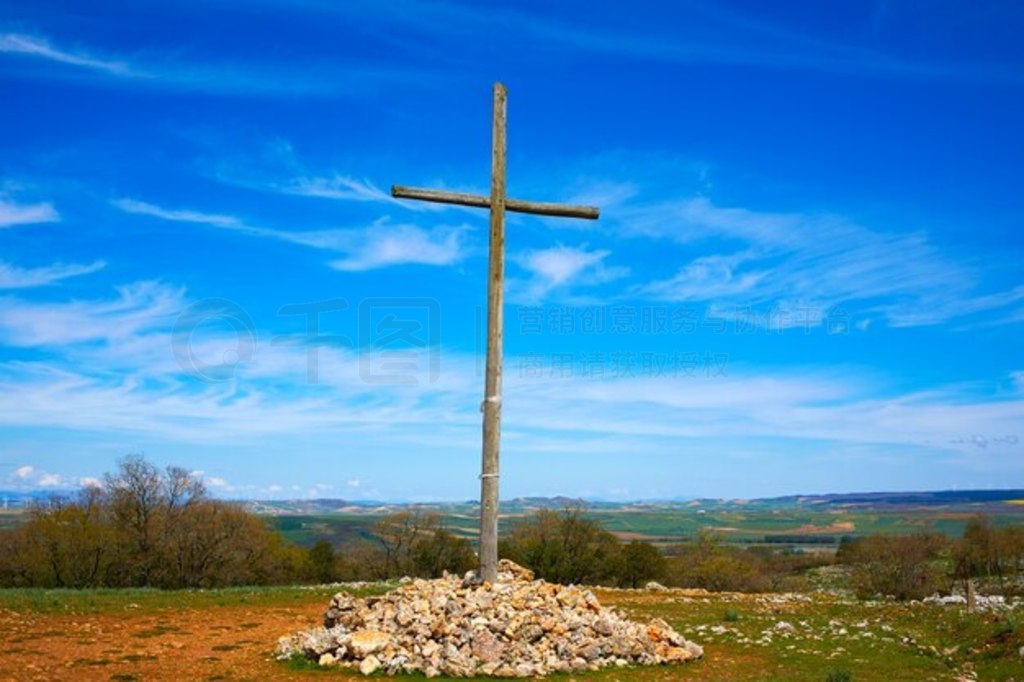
<point>806,275</point>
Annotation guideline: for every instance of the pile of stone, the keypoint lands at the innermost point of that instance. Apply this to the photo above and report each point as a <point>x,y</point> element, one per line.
<point>517,627</point>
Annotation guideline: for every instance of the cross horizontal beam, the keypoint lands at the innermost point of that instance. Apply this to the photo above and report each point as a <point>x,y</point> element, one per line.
<point>479,201</point>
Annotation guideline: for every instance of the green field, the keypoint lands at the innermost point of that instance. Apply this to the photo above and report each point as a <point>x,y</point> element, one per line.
<point>678,523</point>
<point>792,521</point>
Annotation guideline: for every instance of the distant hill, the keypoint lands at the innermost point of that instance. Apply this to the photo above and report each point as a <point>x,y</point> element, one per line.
<point>939,498</point>
<point>16,499</point>
<point>979,500</point>
<point>376,507</point>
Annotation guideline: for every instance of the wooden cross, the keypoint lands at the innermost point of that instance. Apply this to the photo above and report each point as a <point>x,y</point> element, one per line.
<point>498,203</point>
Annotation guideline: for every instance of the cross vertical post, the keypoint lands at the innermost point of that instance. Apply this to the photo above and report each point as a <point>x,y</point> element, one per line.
<point>498,204</point>
<point>495,333</point>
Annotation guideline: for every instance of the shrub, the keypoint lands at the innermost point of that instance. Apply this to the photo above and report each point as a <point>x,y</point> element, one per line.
<point>412,542</point>
<point>638,563</point>
<point>322,564</point>
<point>563,547</point>
<point>900,566</point>
<point>145,528</point>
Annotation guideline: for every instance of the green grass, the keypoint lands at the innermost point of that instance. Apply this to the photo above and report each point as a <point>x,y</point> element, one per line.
<point>870,641</point>
<point>152,600</point>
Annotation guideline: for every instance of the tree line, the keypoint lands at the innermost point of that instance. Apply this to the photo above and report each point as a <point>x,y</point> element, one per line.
<point>147,527</point>
<point>915,566</point>
<point>563,546</point>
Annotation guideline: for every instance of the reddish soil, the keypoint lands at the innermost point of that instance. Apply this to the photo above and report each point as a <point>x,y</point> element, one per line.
<point>838,527</point>
<point>222,643</point>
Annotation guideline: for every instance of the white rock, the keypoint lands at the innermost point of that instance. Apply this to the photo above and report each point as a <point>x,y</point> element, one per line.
<point>513,628</point>
<point>369,665</point>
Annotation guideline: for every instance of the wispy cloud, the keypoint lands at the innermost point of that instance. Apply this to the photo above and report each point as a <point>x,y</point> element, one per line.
<point>170,73</point>
<point>385,245</point>
<point>109,368</point>
<point>808,261</point>
<point>49,480</point>
<point>1018,380</point>
<point>13,277</point>
<point>137,308</point>
<point>34,46</point>
<point>604,194</point>
<point>560,268</point>
<point>335,187</point>
<point>698,33</point>
<point>271,399</point>
<point>12,214</point>
<point>276,168</point>
<point>184,216</point>
<point>382,244</point>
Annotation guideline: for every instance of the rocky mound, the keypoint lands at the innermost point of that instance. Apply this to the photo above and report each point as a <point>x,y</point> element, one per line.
<point>518,627</point>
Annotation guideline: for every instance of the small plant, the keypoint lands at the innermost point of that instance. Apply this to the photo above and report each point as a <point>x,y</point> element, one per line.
<point>1010,626</point>
<point>839,676</point>
<point>732,615</point>
<point>300,662</point>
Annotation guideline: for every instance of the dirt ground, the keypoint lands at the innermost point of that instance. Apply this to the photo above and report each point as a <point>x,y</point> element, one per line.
<point>223,643</point>
<point>232,642</point>
<point>230,635</point>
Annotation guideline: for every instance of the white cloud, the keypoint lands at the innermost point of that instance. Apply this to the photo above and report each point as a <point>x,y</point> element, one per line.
<point>13,277</point>
<point>1018,380</point>
<point>709,278</point>
<point>560,264</point>
<point>604,194</point>
<point>16,43</point>
<point>25,214</point>
<point>109,369</point>
<point>111,366</point>
<point>180,216</point>
<point>29,477</point>
<point>385,245</point>
<point>381,245</point>
<point>816,261</point>
<point>133,386</point>
<point>90,482</point>
<point>337,187</point>
<point>169,72</point>
<point>137,309</point>
<point>276,159</point>
<point>353,483</point>
<point>47,480</point>
<point>559,268</point>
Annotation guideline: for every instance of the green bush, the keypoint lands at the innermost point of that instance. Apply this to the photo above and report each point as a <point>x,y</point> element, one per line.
<point>639,562</point>
<point>564,547</point>
<point>900,566</point>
